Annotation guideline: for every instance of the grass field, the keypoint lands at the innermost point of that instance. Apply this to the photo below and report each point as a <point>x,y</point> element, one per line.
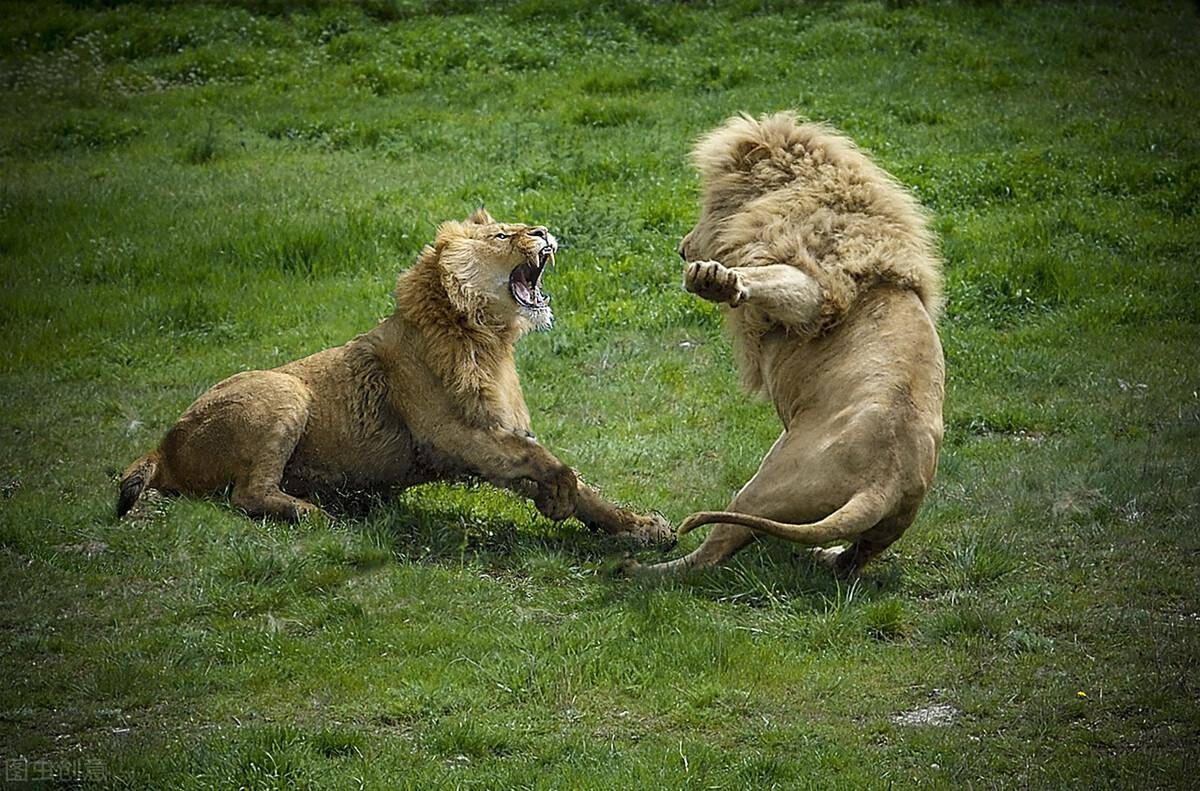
<point>189,190</point>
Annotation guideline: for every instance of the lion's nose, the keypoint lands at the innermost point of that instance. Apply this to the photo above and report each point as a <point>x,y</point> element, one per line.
<point>539,232</point>
<point>681,255</point>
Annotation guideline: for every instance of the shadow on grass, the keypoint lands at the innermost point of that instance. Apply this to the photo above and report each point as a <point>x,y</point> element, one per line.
<point>771,575</point>
<point>480,527</point>
<point>428,527</point>
<point>428,524</point>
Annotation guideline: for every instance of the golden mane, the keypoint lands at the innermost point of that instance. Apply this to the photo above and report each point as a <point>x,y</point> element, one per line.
<point>776,190</point>
<point>465,347</point>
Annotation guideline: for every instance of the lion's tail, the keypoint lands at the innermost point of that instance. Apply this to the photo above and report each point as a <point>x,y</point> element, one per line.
<point>861,512</point>
<point>135,479</point>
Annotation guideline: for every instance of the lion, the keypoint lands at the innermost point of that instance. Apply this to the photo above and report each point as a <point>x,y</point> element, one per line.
<point>431,393</point>
<point>830,280</point>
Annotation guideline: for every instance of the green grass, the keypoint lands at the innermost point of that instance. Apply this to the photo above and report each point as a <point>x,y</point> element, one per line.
<point>189,190</point>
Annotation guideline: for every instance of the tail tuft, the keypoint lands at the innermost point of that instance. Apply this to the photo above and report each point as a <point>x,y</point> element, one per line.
<point>134,482</point>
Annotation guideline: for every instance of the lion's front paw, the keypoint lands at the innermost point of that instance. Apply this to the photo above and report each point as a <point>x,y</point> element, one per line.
<point>306,510</point>
<point>556,493</point>
<point>715,282</point>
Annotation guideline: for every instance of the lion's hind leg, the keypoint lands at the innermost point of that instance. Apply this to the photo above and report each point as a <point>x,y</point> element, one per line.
<point>777,492</point>
<point>849,560</point>
<point>257,491</point>
<point>721,543</point>
<point>855,521</point>
<point>763,493</point>
<point>273,425</point>
<point>257,500</point>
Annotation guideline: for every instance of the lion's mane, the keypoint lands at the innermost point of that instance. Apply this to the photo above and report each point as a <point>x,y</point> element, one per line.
<point>777,190</point>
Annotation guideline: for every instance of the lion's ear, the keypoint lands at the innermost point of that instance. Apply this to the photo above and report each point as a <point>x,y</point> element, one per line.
<point>734,147</point>
<point>480,217</point>
<point>448,231</point>
<point>747,153</point>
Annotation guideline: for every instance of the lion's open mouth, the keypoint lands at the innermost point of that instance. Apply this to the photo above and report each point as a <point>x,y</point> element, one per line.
<point>525,282</point>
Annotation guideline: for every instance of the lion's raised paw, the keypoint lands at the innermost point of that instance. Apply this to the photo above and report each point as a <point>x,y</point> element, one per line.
<point>715,282</point>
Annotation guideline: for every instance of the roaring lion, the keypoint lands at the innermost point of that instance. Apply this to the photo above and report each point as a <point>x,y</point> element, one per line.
<point>830,280</point>
<point>431,393</point>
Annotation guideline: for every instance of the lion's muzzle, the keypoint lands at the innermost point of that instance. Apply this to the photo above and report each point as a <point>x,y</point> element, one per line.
<point>525,281</point>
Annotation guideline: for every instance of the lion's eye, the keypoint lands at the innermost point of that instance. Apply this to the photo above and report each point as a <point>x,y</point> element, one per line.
<point>501,236</point>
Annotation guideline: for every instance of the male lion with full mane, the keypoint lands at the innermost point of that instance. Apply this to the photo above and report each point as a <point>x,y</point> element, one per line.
<point>431,393</point>
<point>830,280</point>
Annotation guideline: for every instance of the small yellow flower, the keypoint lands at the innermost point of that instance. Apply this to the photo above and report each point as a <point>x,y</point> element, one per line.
<point>1081,694</point>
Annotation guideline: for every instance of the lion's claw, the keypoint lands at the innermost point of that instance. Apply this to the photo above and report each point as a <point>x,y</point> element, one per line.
<point>642,532</point>
<point>715,282</point>
<point>655,530</point>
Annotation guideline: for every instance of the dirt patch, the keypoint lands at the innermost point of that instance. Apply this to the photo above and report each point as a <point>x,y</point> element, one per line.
<point>89,549</point>
<point>939,715</point>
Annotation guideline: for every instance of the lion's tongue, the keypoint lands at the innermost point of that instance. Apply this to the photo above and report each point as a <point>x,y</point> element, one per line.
<point>523,292</point>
